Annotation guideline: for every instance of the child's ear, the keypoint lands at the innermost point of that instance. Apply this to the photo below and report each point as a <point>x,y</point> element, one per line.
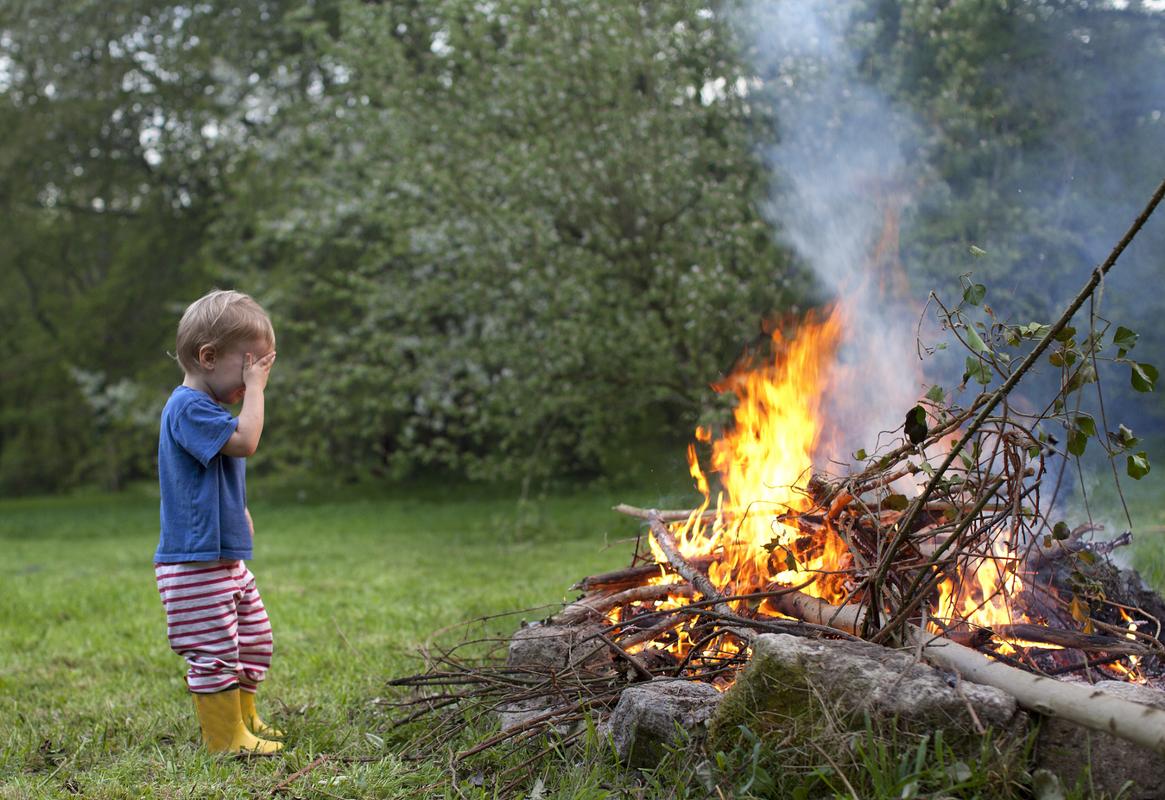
<point>206,356</point>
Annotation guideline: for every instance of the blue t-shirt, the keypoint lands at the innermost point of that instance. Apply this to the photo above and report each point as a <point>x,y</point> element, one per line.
<point>204,493</point>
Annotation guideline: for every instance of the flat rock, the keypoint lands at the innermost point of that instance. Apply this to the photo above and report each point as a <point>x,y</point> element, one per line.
<point>552,647</point>
<point>539,650</point>
<point>650,716</point>
<point>788,674</point>
<point>1075,753</point>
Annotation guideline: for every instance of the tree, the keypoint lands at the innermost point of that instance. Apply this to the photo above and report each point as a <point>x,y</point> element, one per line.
<point>510,239</point>
<point>120,121</point>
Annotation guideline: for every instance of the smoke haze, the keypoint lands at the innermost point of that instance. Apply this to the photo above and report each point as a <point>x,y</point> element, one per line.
<point>844,162</point>
<point>850,167</point>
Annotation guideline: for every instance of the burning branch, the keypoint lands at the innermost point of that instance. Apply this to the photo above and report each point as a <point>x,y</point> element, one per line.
<point>664,539</point>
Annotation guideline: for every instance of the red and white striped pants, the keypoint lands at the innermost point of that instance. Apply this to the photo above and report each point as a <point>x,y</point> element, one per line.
<point>216,621</point>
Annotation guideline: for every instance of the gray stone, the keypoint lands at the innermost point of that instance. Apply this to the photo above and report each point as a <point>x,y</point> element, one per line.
<point>543,649</point>
<point>552,647</point>
<point>521,711</point>
<point>787,672</point>
<point>652,715</point>
<point>1072,752</point>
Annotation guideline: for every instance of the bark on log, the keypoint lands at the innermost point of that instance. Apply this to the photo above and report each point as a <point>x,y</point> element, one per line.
<point>594,607</point>
<point>1071,639</point>
<point>634,576</point>
<point>1143,725</point>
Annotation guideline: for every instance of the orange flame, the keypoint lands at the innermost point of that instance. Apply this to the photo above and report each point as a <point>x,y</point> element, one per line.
<point>763,464</point>
<point>985,595</point>
<point>1132,671</point>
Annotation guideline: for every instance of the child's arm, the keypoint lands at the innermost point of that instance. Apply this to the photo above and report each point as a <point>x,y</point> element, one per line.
<point>250,522</point>
<point>245,440</point>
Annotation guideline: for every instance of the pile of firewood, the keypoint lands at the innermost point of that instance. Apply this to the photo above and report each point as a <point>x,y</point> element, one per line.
<point>640,609</point>
<point>624,623</point>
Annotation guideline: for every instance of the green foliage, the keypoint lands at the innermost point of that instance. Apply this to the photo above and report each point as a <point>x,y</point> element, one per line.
<point>1036,132</point>
<point>974,294</point>
<point>500,239</point>
<point>1138,465</point>
<point>120,123</point>
<point>505,240</point>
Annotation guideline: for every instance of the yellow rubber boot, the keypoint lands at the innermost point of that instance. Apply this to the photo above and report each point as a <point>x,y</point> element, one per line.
<point>251,717</point>
<point>223,730</point>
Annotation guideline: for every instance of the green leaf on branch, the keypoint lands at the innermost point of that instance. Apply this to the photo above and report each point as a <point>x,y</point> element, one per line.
<point>1077,442</point>
<point>916,428</point>
<point>1083,427</point>
<point>1144,377</point>
<point>977,252</point>
<point>1066,333</point>
<point>1034,330</point>
<point>1125,436</point>
<point>1124,339</point>
<point>975,341</point>
<point>977,369</point>
<point>974,294</point>
<point>896,502</point>
<point>1138,465</point>
<point>1086,374</point>
<point>1061,531</point>
<point>1085,424</point>
<point>936,394</point>
<point>860,455</point>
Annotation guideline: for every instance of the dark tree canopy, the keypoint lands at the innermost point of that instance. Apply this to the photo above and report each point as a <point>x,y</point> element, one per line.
<point>503,239</point>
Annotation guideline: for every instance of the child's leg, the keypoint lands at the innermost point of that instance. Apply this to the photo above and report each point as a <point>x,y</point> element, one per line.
<point>255,649</point>
<point>254,631</point>
<point>201,602</point>
<point>202,622</point>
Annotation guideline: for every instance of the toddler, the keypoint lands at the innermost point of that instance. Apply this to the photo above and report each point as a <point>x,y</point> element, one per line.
<point>214,616</point>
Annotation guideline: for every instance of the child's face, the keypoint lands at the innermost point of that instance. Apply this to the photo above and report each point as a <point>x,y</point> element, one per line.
<point>224,373</point>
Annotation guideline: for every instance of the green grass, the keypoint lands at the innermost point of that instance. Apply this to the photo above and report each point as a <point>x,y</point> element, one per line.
<point>92,702</point>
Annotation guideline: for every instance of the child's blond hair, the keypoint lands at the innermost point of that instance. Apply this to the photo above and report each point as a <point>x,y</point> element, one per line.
<point>220,319</point>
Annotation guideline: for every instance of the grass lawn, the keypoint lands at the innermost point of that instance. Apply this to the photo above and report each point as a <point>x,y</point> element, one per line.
<point>92,701</point>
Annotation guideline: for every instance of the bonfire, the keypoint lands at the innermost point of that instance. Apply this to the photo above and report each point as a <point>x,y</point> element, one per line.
<point>943,541</point>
